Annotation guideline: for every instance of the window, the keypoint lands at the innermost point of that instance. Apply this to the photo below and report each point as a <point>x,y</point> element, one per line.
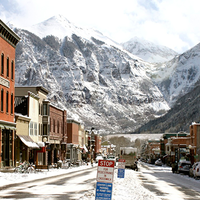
<point>7,67</point>
<point>11,98</point>
<point>39,109</point>
<point>54,125</point>
<point>31,128</point>
<point>7,102</point>
<point>44,129</point>
<point>58,127</point>
<point>1,99</point>
<point>44,109</point>
<point>35,128</point>
<point>39,131</point>
<point>12,70</point>
<point>2,63</point>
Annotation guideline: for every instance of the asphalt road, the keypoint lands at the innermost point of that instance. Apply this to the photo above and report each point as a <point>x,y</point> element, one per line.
<point>167,185</point>
<point>66,186</point>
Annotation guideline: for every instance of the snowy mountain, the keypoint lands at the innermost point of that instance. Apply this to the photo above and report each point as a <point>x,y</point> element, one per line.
<point>149,51</point>
<point>178,76</point>
<point>90,75</point>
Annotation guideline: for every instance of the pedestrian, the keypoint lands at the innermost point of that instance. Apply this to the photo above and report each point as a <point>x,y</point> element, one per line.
<point>92,162</point>
<point>173,167</point>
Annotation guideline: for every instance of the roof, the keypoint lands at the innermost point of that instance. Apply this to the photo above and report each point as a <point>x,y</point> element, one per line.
<point>7,34</point>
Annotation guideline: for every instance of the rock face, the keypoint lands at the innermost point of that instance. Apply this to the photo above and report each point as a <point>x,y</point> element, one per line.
<point>179,76</point>
<point>149,51</point>
<point>88,74</point>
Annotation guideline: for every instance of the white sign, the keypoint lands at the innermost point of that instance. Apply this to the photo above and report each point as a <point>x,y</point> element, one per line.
<point>121,164</point>
<point>105,171</point>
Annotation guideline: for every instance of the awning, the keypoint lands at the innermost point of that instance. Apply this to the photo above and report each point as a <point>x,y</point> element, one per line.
<point>27,140</point>
<point>7,127</point>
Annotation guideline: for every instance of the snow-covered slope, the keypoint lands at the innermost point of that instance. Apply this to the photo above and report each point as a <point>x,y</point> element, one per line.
<point>88,74</point>
<point>149,51</point>
<point>178,76</point>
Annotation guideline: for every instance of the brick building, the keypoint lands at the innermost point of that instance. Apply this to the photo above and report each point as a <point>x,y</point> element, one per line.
<point>72,139</point>
<point>58,134</point>
<point>8,42</point>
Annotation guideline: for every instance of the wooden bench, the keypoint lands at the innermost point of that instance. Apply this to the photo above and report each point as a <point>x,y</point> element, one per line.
<point>37,167</point>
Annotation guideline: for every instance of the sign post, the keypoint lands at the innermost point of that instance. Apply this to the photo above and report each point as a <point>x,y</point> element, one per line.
<point>105,174</point>
<point>121,168</point>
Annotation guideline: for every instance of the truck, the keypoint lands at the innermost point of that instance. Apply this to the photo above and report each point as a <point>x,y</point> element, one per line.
<point>129,154</point>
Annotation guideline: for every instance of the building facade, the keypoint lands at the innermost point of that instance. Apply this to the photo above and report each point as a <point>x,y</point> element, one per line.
<point>32,101</point>
<point>8,42</point>
<point>57,147</point>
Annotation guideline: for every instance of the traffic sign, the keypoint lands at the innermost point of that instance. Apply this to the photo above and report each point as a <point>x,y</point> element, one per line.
<point>121,168</point>
<point>120,173</point>
<point>105,171</point>
<point>103,191</point>
<point>121,164</point>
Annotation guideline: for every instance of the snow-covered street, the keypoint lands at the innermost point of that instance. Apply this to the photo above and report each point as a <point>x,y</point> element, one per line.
<point>149,183</point>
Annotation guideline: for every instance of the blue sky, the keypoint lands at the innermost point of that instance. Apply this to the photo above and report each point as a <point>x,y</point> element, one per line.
<point>173,23</point>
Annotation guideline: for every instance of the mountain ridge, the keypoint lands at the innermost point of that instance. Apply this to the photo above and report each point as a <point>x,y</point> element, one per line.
<point>98,83</point>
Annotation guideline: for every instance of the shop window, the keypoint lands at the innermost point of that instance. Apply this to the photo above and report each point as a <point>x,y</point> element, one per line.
<point>2,63</point>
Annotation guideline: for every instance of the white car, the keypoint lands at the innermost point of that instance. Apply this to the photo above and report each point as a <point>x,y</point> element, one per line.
<point>197,170</point>
<point>193,169</point>
<point>100,157</point>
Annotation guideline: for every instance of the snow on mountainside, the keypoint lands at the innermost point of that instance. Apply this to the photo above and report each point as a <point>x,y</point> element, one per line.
<point>89,75</point>
<point>178,76</point>
<point>149,51</point>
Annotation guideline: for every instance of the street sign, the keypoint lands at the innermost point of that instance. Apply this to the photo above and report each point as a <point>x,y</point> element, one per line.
<point>105,174</point>
<point>120,173</point>
<point>103,191</point>
<point>105,171</point>
<point>121,168</point>
<point>121,164</point>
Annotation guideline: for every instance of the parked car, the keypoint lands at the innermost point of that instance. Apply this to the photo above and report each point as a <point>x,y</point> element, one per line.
<point>111,157</point>
<point>192,169</point>
<point>99,157</point>
<point>184,166</point>
<point>158,162</point>
<point>197,170</point>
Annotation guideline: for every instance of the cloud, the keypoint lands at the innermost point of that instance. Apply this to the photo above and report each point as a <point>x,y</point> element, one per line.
<point>166,22</point>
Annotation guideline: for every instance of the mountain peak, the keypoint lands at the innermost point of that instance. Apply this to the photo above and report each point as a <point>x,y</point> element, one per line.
<point>149,51</point>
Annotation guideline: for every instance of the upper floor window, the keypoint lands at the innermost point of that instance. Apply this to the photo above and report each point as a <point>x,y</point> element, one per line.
<point>11,101</point>
<point>2,99</point>
<point>44,129</point>
<point>58,127</point>
<point>35,128</point>
<point>2,63</point>
<point>7,98</point>
<point>7,67</point>
<point>54,125</point>
<point>44,109</point>
<point>12,70</point>
<point>31,128</point>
